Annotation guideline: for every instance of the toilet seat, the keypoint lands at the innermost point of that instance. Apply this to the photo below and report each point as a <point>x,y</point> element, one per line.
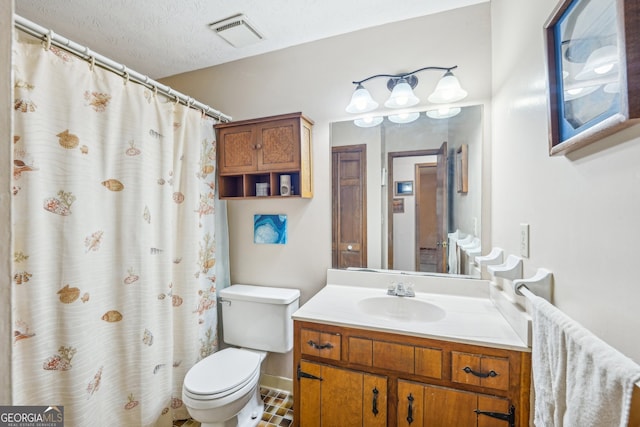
<point>221,374</point>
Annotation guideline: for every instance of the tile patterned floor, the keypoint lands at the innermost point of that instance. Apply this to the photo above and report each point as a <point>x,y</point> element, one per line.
<point>278,410</point>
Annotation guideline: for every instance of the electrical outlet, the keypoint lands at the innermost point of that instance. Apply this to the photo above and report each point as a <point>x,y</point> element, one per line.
<point>524,240</point>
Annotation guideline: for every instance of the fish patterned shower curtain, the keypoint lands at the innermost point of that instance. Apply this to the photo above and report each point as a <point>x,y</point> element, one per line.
<point>114,268</point>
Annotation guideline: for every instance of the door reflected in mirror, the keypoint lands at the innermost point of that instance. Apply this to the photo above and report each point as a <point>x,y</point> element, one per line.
<point>395,201</point>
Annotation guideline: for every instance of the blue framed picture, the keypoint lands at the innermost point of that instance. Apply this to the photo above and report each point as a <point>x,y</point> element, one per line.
<point>593,51</point>
<point>403,188</point>
<point>270,229</point>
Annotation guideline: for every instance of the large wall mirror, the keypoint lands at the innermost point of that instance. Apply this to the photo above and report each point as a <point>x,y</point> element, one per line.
<point>401,191</point>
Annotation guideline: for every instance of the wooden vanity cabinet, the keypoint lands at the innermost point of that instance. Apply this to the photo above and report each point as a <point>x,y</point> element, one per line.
<point>353,377</point>
<point>260,151</point>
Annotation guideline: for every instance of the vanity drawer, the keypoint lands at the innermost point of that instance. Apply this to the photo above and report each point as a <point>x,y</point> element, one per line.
<point>396,357</point>
<point>480,370</point>
<point>392,356</point>
<point>321,344</point>
<point>429,362</point>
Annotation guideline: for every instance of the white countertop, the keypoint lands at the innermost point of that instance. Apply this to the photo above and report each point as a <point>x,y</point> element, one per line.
<point>468,319</point>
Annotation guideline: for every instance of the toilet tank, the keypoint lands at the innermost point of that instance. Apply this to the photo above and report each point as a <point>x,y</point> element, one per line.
<point>258,317</point>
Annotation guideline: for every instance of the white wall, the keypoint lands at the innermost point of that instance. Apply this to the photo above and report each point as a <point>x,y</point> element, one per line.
<point>315,78</point>
<point>583,209</point>
<point>404,224</point>
<point>468,206</point>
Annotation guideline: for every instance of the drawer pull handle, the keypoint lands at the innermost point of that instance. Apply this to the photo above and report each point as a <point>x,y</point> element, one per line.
<point>375,401</point>
<point>319,346</point>
<point>410,409</point>
<point>491,373</point>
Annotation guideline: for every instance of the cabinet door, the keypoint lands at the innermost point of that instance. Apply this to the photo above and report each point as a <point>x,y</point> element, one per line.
<point>341,397</point>
<point>374,398</point>
<point>309,395</point>
<point>445,407</point>
<point>496,405</point>
<point>410,404</point>
<point>237,149</point>
<point>278,145</point>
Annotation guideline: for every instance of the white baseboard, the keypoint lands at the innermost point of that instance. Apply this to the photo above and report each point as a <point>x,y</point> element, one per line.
<point>275,382</point>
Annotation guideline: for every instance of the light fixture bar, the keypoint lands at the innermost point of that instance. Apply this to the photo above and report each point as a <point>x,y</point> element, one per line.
<point>401,86</point>
<point>404,75</point>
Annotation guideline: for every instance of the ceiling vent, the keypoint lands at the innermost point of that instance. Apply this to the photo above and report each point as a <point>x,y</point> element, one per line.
<point>237,31</point>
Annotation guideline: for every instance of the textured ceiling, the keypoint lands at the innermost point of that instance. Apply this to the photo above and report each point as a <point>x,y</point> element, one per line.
<point>160,38</point>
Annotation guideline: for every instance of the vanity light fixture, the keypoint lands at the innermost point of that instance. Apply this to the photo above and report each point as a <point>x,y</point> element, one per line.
<point>602,61</point>
<point>443,113</point>
<point>576,92</point>
<point>404,117</point>
<point>368,121</point>
<point>401,86</point>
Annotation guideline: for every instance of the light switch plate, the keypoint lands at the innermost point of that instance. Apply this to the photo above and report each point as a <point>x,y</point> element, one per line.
<point>524,240</point>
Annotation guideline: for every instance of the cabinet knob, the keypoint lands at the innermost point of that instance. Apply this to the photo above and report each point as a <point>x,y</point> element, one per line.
<point>349,248</point>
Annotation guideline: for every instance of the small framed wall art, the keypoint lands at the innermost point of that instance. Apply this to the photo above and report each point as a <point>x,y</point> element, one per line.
<point>403,188</point>
<point>398,206</point>
<point>270,229</point>
<point>593,60</point>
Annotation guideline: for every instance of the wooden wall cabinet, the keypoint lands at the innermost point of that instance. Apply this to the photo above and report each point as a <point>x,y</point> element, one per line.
<point>260,151</point>
<point>355,377</point>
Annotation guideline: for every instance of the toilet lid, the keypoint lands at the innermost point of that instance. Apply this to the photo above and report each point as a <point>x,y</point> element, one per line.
<point>223,371</point>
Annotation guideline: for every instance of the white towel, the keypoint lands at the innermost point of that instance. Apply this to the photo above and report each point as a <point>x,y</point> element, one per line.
<point>579,380</point>
<point>452,257</point>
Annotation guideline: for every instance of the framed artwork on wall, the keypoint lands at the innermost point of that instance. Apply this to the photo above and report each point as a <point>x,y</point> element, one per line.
<point>270,229</point>
<point>593,55</point>
<point>403,188</point>
<point>462,168</point>
<point>398,206</point>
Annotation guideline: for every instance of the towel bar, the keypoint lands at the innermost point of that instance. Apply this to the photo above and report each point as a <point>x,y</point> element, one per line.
<point>539,284</point>
<point>511,269</point>
<point>492,258</point>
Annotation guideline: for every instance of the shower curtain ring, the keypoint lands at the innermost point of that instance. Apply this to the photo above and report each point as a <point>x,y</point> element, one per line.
<point>126,78</point>
<point>92,62</point>
<point>47,40</point>
<point>155,91</point>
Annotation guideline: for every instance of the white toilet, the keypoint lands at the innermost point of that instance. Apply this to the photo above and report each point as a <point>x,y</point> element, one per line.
<point>222,389</point>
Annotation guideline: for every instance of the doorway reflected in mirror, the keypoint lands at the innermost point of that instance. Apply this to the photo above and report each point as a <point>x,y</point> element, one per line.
<point>415,162</point>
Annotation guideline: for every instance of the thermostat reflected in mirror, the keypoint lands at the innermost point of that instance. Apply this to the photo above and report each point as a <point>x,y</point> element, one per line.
<point>403,188</point>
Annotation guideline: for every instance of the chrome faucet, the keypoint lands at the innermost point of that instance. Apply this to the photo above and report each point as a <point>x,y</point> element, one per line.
<point>401,290</point>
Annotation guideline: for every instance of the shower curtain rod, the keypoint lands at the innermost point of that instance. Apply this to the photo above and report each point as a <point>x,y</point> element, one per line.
<point>85,53</point>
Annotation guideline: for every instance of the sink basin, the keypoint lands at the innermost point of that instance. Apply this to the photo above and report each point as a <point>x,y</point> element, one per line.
<point>401,309</point>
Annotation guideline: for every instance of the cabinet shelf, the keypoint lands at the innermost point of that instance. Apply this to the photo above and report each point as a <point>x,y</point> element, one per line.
<point>243,186</point>
<point>261,151</point>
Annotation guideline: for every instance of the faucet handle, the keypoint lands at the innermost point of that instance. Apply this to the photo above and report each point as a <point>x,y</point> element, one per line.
<point>409,290</point>
<point>391,289</point>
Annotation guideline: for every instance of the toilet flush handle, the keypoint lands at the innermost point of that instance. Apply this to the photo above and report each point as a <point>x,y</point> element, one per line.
<point>224,301</point>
